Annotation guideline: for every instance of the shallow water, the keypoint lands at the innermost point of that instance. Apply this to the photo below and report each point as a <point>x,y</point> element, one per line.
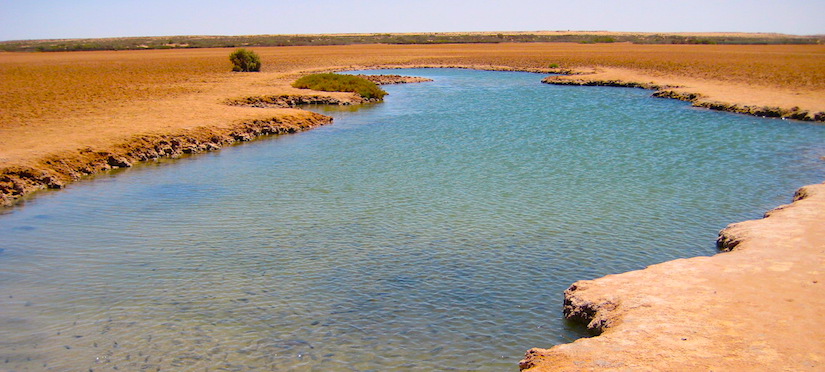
<point>435,231</point>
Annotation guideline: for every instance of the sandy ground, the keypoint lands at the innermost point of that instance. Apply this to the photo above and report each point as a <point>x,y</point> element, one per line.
<point>759,306</point>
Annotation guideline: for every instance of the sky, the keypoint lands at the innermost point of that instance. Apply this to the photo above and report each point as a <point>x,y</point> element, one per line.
<point>52,19</point>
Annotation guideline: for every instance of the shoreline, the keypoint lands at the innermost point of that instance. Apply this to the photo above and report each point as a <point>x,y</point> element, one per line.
<point>620,321</point>
<point>58,170</point>
<point>688,94</point>
<point>755,305</point>
<point>54,171</point>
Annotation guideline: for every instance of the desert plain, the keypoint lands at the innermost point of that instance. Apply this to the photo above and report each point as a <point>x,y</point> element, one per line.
<point>65,115</point>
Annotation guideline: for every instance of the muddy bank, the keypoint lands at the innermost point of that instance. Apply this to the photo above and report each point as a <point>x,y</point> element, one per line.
<point>57,170</point>
<point>696,99</point>
<point>757,306</point>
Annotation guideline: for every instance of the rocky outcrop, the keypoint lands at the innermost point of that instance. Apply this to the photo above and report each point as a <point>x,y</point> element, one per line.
<point>394,79</point>
<point>294,100</point>
<point>58,170</point>
<point>672,94</point>
<point>592,314</point>
<point>755,307</point>
<point>562,80</point>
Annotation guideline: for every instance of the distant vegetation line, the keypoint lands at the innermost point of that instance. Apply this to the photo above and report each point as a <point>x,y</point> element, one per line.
<point>173,42</point>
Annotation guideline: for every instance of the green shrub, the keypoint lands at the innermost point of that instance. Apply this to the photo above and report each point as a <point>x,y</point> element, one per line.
<point>245,60</point>
<point>599,39</point>
<point>341,83</point>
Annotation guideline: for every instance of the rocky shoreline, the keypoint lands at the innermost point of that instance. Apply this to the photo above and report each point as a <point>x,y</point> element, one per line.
<point>58,170</point>
<point>724,312</point>
<point>394,79</point>
<point>707,313</point>
<point>696,99</point>
<point>294,100</point>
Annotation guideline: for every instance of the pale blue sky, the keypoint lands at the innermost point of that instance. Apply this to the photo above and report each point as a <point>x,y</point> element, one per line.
<point>39,19</point>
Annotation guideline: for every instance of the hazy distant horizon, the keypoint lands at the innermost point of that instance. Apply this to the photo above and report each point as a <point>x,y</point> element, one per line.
<point>78,19</point>
<point>594,32</point>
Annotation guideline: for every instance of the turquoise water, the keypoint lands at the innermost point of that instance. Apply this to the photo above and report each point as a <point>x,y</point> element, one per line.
<point>435,231</point>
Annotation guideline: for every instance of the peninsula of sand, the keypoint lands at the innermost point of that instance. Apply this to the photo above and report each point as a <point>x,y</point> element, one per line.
<point>71,114</point>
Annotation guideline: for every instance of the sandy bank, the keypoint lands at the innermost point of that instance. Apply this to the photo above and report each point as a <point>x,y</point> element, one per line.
<point>750,99</point>
<point>62,161</point>
<point>757,307</point>
<point>59,169</point>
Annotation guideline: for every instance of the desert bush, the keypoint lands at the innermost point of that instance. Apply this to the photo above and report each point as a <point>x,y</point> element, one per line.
<point>341,83</point>
<point>245,60</point>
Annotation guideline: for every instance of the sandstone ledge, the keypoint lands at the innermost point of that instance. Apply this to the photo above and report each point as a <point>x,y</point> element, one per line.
<point>757,307</point>
<point>57,170</point>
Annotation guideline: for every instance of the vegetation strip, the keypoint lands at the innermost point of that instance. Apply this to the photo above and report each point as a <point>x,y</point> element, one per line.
<point>330,82</point>
<point>181,42</point>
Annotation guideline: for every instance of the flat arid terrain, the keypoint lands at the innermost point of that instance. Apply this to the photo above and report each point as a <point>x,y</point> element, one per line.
<point>64,115</point>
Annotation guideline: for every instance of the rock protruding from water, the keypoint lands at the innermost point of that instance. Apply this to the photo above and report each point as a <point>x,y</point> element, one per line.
<point>294,100</point>
<point>394,79</point>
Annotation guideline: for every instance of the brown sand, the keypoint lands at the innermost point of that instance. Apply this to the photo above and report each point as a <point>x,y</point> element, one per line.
<point>757,306</point>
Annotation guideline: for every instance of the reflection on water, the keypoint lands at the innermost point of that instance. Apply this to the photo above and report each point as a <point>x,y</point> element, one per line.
<point>435,231</point>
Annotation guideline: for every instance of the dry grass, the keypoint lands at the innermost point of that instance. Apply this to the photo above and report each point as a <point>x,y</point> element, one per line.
<point>801,66</point>
<point>67,84</point>
<point>38,85</point>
